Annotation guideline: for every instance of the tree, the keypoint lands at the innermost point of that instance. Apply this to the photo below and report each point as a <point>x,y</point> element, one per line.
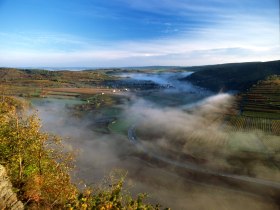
<point>39,167</point>
<point>36,162</point>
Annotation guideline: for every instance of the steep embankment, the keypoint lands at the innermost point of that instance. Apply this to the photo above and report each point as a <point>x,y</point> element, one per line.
<point>8,199</point>
<point>238,76</point>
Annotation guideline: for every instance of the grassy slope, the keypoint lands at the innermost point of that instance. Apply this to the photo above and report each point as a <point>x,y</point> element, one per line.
<point>25,82</point>
<point>239,76</point>
<point>44,78</point>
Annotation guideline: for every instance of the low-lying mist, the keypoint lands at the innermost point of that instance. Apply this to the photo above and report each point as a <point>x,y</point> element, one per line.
<point>179,134</point>
<point>201,132</point>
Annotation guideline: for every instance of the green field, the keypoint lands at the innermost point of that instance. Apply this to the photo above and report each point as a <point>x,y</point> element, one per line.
<point>120,126</point>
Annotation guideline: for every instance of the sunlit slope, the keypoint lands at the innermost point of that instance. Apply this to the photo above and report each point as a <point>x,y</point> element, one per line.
<point>263,99</point>
<point>66,84</point>
<point>45,78</point>
<point>259,107</point>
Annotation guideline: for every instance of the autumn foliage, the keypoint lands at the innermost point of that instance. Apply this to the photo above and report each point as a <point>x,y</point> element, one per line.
<point>40,169</point>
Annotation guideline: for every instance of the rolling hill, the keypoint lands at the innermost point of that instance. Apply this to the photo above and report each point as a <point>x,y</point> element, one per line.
<point>237,76</point>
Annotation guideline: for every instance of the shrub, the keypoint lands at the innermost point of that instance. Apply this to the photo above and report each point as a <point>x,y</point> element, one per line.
<point>39,167</point>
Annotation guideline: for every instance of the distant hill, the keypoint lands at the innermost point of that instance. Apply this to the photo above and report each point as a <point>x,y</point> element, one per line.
<point>29,77</point>
<point>234,76</point>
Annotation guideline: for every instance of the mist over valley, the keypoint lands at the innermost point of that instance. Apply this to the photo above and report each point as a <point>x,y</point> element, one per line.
<point>140,105</point>
<point>175,140</point>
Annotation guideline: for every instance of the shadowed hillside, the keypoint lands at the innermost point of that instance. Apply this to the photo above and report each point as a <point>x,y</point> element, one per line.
<point>238,76</point>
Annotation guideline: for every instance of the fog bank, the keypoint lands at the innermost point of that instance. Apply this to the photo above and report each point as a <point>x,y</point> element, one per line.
<point>168,132</point>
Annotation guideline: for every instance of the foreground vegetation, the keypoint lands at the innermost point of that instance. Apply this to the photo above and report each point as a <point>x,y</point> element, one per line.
<point>40,168</point>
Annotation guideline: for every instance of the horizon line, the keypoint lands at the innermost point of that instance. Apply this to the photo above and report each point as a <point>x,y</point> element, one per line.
<point>122,67</point>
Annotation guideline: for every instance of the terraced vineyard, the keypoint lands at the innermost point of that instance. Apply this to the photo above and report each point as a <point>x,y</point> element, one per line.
<point>245,129</point>
<point>262,100</point>
<point>243,123</point>
<point>259,108</point>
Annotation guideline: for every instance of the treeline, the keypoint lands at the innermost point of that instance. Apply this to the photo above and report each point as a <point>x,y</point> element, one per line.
<point>39,167</point>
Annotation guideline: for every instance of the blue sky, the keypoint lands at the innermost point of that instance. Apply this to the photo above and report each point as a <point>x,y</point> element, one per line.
<point>106,33</point>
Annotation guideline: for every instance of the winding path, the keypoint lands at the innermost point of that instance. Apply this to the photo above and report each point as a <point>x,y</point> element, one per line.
<point>245,181</point>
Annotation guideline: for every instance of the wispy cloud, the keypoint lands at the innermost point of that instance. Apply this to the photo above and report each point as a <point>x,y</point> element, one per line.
<point>200,32</point>
<point>42,40</point>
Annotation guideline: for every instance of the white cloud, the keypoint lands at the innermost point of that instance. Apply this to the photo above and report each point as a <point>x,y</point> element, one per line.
<point>235,38</point>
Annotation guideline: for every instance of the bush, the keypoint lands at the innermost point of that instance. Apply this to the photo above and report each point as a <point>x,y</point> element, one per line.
<point>39,167</point>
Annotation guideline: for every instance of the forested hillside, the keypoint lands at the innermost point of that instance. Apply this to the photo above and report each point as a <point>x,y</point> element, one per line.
<point>238,76</point>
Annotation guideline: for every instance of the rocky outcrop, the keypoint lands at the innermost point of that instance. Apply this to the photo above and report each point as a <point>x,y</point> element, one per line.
<point>8,199</point>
